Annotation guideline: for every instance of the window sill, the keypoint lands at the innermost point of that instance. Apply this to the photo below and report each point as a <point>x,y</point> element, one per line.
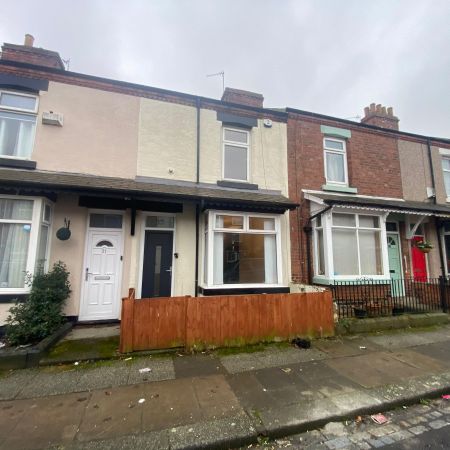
<point>339,188</point>
<point>237,184</point>
<point>448,200</point>
<point>18,163</point>
<point>12,298</point>
<point>244,290</point>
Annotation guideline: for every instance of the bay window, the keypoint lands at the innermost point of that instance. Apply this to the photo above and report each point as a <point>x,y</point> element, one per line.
<point>24,234</point>
<point>446,246</point>
<point>446,172</point>
<point>17,124</point>
<point>350,245</point>
<point>241,249</point>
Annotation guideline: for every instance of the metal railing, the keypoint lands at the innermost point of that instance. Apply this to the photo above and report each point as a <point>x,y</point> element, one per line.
<point>373,298</point>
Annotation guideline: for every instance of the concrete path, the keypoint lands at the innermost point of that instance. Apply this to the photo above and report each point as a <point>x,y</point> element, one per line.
<point>211,400</point>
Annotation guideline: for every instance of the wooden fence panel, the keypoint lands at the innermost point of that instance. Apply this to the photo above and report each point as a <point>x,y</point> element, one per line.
<point>223,320</point>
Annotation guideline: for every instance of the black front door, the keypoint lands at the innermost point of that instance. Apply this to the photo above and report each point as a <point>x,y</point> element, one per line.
<point>157,269</point>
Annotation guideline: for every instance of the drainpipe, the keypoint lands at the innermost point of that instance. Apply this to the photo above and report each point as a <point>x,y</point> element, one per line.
<point>436,220</point>
<point>197,205</point>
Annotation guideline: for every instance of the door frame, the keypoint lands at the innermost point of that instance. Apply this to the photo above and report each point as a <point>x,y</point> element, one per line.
<point>142,247</point>
<point>396,233</point>
<point>81,316</point>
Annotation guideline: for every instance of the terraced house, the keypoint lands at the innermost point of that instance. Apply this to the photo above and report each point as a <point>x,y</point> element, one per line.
<point>374,214</point>
<point>136,187</point>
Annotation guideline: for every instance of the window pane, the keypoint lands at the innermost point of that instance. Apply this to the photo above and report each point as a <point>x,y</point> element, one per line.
<point>14,239</point>
<point>47,213</point>
<point>16,134</point>
<point>159,222</point>
<point>261,223</point>
<point>11,209</point>
<point>18,101</point>
<point>345,252</point>
<point>41,256</point>
<point>235,160</point>
<point>446,163</point>
<point>335,167</point>
<point>236,222</point>
<point>370,252</point>
<point>245,258</point>
<point>369,221</point>
<point>105,221</point>
<point>321,253</point>
<point>391,226</point>
<point>447,183</point>
<point>236,136</point>
<point>334,144</point>
<point>447,251</point>
<point>344,220</point>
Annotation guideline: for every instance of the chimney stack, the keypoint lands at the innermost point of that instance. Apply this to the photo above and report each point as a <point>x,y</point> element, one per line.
<point>241,97</point>
<point>29,40</point>
<point>28,54</point>
<point>380,116</point>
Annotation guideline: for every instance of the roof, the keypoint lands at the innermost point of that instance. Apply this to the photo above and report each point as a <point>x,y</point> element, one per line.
<point>379,204</point>
<point>82,183</point>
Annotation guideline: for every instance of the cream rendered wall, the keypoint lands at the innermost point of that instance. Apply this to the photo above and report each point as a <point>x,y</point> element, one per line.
<point>4,312</point>
<point>99,135</point>
<point>72,251</point>
<point>167,146</point>
<point>167,140</point>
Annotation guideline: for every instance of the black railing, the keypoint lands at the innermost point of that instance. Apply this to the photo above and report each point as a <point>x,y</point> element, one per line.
<point>372,298</point>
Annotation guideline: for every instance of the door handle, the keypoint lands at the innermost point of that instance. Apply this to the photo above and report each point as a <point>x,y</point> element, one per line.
<point>87,273</point>
<point>169,270</point>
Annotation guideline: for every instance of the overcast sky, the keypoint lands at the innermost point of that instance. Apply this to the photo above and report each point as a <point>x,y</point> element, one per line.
<point>327,56</point>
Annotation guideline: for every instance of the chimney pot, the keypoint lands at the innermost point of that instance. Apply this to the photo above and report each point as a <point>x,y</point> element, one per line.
<point>383,110</point>
<point>29,40</point>
<point>378,108</point>
<point>390,111</point>
<point>366,111</point>
<point>372,107</point>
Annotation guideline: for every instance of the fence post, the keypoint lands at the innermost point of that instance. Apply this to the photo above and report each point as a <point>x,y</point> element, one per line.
<point>443,293</point>
<point>127,323</point>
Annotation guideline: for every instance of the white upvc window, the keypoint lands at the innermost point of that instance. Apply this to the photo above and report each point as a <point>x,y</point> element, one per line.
<point>335,161</point>
<point>350,246</point>
<point>18,113</point>
<point>446,171</point>
<point>242,249</point>
<point>24,237</point>
<point>446,247</point>
<point>236,154</point>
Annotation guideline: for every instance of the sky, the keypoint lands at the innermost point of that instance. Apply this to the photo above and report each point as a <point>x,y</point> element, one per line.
<point>331,57</point>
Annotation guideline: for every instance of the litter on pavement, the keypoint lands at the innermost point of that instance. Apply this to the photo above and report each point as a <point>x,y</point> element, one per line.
<point>141,400</point>
<point>76,363</point>
<point>2,344</point>
<point>145,370</point>
<point>286,370</point>
<point>380,419</point>
<point>446,397</point>
<point>301,343</point>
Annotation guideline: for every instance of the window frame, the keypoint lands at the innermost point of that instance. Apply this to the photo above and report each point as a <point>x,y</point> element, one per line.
<point>343,152</point>
<point>35,222</point>
<point>28,112</point>
<point>208,247</point>
<point>236,144</point>
<point>444,171</point>
<point>446,257</point>
<point>327,225</point>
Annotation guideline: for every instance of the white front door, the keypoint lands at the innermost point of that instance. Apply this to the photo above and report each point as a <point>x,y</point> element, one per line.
<point>102,275</point>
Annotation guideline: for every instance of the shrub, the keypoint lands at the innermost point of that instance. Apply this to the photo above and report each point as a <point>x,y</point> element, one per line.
<point>41,313</point>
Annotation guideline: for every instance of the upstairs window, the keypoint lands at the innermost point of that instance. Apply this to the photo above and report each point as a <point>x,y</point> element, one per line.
<point>17,124</point>
<point>335,157</point>
<point>446,170</point>
<point>236,146</point>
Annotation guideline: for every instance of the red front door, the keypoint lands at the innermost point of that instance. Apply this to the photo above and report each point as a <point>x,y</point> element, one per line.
<point>419,264</point>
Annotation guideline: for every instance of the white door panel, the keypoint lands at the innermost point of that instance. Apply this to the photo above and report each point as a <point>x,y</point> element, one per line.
<point>102,276</point>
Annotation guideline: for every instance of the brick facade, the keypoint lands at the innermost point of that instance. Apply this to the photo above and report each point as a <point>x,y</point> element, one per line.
<point>373,168</point>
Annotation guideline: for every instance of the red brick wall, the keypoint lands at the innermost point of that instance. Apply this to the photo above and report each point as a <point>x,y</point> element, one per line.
<point>373,168</point>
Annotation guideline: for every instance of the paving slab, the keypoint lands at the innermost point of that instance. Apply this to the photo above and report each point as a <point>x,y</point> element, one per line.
<point>13,382</point>
<point>46,422</point>
<point>437,351</point>
<point>94,332</point>
<point>420,361</point>
<point>197,365</point>
<point>161,368</point>
<point>112,413</point>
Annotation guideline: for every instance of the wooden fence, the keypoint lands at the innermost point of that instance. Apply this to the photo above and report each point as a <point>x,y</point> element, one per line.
<point>228,320</point>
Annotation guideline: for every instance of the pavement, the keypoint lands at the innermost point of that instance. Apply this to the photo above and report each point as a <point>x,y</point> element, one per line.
<point>220,400</point>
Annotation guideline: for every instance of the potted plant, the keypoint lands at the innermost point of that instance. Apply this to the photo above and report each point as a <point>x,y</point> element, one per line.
<point>424,246</point>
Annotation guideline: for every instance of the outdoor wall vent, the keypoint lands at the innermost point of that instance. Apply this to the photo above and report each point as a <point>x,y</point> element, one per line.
<point>51,118</point>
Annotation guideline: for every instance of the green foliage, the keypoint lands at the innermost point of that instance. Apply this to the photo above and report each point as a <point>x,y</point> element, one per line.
<point>41,313</point>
